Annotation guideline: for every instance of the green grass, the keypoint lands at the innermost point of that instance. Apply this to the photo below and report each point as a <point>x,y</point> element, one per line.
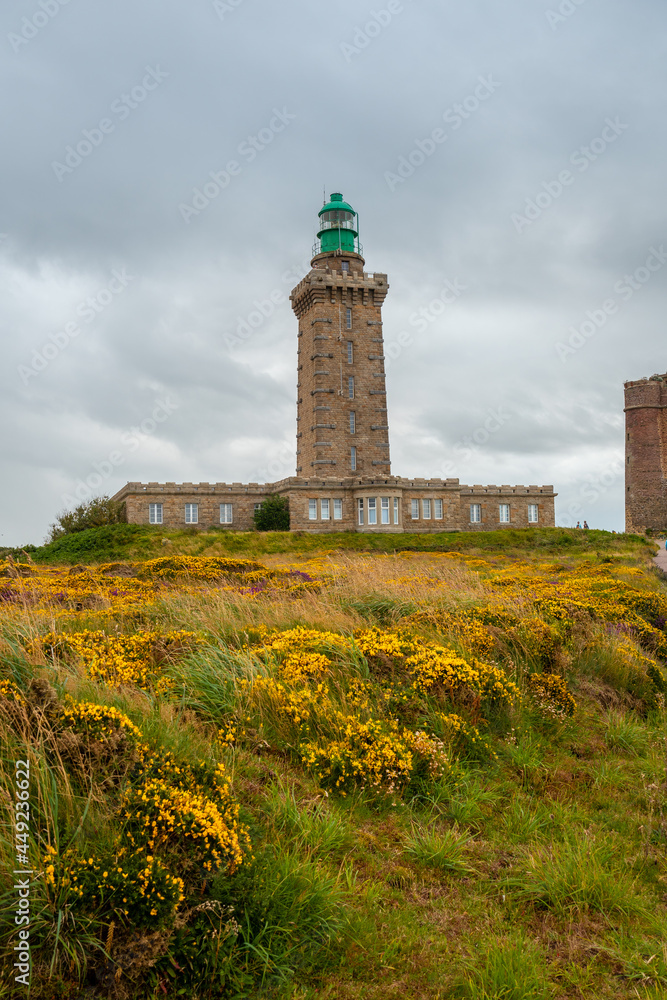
<point>510,969</point>
<point>133,541</point>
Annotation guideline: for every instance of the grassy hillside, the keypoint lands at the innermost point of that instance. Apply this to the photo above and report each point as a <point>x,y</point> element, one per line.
<point>336,766</point>
<point>133,541</point>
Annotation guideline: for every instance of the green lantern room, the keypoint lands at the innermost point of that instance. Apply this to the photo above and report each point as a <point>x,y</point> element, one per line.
<point>338,231</point>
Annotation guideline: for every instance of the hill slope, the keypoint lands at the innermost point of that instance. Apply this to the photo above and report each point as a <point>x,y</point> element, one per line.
<point>294,769</point>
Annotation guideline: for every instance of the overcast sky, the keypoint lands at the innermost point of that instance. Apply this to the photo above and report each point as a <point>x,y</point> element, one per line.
<point>506,158</point>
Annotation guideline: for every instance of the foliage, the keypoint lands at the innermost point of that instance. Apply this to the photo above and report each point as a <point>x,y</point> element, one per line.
<point>89,514</point>
<point>272,514</point>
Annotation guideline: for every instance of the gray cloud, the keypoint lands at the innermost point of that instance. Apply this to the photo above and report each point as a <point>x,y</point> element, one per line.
<point>223,72</point>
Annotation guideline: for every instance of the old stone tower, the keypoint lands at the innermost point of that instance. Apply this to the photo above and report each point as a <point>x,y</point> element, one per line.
<point>343,478</point>
<point>646,454</point>
<point>342,425</point>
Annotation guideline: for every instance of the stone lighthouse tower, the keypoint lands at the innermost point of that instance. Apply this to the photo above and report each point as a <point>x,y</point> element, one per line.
<point>342,425</point>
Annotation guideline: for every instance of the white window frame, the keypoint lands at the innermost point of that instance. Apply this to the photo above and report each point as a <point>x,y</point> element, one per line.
<point>155,513</point>
<point>350,352</point>
<point>533,513</point>
<point>353,458</point>
<point>384,510</point>
<point>228,509</point>
<point>414,509</point>
<point>350,387</point>
<point>192,513</point>
<point>438,509</point>
<point>504,513</point>
<point>348,319</point>
<point>353,422</point>
<point>312,510</point>
<point>360,510</point>
<point>372,510</point>
<point>395,510</point>
<point>475,513</point>
<point>426,509</point>
<point>324,510</point>
<point>338,509</point>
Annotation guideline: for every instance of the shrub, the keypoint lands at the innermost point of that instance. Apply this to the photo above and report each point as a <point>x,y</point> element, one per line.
<point>272,514</point>
<point>137,890</point>
<point>91,514</point>
<point>551,694</point>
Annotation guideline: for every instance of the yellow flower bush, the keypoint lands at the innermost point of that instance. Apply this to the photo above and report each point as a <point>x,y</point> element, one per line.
<point>122,659</point>
<point>552,695</point>
<point>374,755</point>
<point>298,668</point>
<point>97,721</point>
<point>206,568</point>
<point>137,891</point>
<point>299,705</point>
<point>436,667</point>
<point>300,640</point>
<point>162,817</point>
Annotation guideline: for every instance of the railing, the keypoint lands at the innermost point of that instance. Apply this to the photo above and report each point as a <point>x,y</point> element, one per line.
<point>358,248</point>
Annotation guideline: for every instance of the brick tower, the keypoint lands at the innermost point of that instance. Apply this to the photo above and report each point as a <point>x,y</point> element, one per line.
<point>342,425</point>
<point>646,454</point>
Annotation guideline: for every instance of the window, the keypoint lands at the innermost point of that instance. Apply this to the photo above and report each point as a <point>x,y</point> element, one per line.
<point>155,513</point>
<point>426,509</point>
<point>257,506</point>
<point>532,513</point>
<point>226,512</point>
<point>348,319</point>
<point>338,510</point>
<point>395,510</point>
<point>353,459</point>
<point>324,510</point>
<point>312,510</point>
<point>191,513</point>
<point>438,510</point>
<point>475,513</point>
<point>372,511</point>
<point>350,352</point>
<point>415,509</point>
<point>384,510</point>
<point>350,387</point>
<point>353,422</point>
<point>360,508</point>
<point>345,265</point>
<point>504,513</point>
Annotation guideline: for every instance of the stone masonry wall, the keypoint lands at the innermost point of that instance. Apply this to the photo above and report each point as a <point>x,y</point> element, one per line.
<point>207,496</point>
<point>317,495</point>
<point>326,363</point>
<point>646,454</point>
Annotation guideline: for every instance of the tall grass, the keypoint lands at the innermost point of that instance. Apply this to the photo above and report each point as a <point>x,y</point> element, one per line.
<point>513,968</point>
<point>582,875</point>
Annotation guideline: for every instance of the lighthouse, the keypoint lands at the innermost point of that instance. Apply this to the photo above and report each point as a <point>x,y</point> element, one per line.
<point>342,422</point>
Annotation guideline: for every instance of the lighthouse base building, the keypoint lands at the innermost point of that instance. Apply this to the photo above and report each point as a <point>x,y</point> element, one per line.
<point>343,476</point>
